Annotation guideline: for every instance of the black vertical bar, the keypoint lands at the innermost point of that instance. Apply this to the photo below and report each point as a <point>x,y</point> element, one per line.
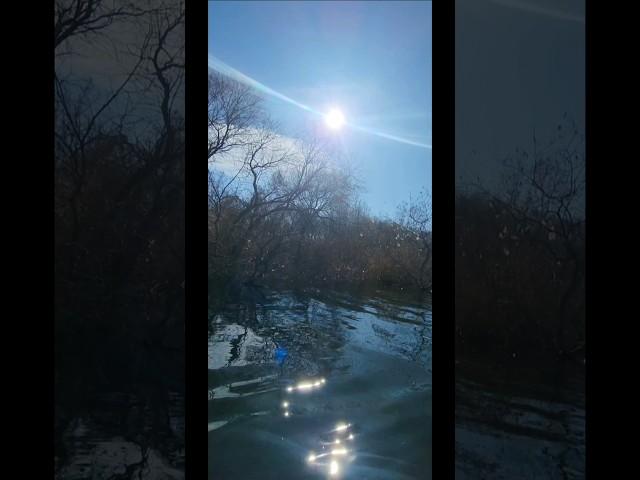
<point>443,431</point>
<point>189,464</point>
<point>195,238</point>
<point>591,366</point>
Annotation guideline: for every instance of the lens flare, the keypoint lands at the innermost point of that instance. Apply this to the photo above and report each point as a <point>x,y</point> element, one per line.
<point>334,119</point>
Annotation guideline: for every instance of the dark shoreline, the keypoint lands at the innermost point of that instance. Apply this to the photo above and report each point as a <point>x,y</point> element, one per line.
<point>547,381</point>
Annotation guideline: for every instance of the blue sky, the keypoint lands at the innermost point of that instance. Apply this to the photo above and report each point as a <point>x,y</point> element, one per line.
<point>370,59</point>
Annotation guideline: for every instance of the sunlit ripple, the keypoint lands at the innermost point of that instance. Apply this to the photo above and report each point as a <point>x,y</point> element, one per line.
<point>335,451</point>
<point>341,427</point>
<point>306,386</point>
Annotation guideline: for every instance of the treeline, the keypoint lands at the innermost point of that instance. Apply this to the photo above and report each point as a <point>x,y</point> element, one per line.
<point>519,266</point>
<point>119,210</point>
<point>283,212</point>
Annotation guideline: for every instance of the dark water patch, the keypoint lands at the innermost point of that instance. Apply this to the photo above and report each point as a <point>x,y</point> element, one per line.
<point>510,425</point>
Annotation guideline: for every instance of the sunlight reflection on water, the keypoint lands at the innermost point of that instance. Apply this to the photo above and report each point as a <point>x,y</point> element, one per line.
<point>317,369</point>
<point>334,467</point>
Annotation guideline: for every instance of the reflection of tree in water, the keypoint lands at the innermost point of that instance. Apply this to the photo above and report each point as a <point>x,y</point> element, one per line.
<point>243,343</point>
<point>398,310</point>
<point>295,337</point>
<point>236,343</point>
<point>424,339</point>
<point>310,333</point>
<point>307,331</point>
<point>293,341</point>
<point>422,343</point>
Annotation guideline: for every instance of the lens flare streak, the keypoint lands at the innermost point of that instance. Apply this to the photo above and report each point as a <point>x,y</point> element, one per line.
<point>227,70</point>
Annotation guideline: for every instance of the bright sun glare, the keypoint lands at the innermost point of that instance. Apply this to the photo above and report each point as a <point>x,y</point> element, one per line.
<point>334,119</point>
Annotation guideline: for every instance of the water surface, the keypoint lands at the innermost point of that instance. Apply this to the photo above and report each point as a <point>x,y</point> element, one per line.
<point>321,384</point>
<point>526,424</point>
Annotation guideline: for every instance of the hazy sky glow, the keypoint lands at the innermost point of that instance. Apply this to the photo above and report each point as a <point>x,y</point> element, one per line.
<point>520,67</point>
<point>370,60</point>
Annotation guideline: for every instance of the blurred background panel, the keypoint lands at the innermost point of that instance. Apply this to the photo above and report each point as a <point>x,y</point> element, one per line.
<point>119,239</point>
<point>519,233</point>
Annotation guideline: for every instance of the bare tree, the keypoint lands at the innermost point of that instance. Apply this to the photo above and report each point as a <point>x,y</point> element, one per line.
<point>546,191</point>
<point>84,17</point>
<point>542,195</point>
<point>117,193</point>
<point>414,220</point>
<point>119,202</point>
<point>233,109</point>
<point>274,194</point>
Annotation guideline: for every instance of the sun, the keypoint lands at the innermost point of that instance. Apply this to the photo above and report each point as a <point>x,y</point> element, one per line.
<point>334,119</point>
